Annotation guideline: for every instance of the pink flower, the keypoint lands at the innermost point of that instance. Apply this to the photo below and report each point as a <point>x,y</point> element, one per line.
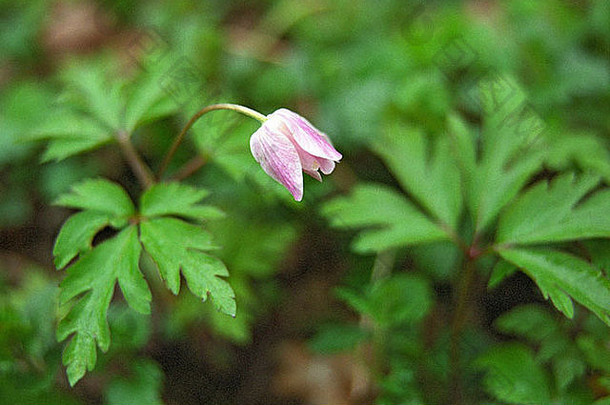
<point>286,145</point>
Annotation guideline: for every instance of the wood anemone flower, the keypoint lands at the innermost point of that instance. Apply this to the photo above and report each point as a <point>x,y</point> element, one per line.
<point>286,145</point>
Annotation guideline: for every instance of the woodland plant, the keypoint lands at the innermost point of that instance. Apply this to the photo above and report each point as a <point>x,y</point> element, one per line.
<point>484,204</point>
<point>166,224</point>
<point>467,198</point>
<point>480,203</point>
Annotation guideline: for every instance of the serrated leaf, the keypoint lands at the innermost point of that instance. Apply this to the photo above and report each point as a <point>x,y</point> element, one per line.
<point>512,375</point>
<point>76,235</point>
<point>178,246</point>
<point>102,196</point>
<point>393,220</point>
<point>95,275</point>
<point>554,212</point>
<point>433,180</point>
<point>179,200</point>
<point>561,276</point>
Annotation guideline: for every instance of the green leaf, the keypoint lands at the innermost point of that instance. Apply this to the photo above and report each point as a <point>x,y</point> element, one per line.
<point>77,234</point>
<point>69,133</point>
<point>176,245</point>
<point>567,368</point>
<point>555,212</point>
<point>584,149</point>
<point>599,251</point>
<point>433,180</point>
<point>102,196</point>
<point>393,219</point>
<point>95,86</point>
<point>508,158</point>
<point>179,200</point>
<point>147,99</point>
<point>501,270</point>
<point>529,321</point>
<point>402,298</point>
<point>561,276</point>
<point>144,384</point>
<point>95,275</point>
<point>596,352</point>
<point>337,338</point>
<point>512,375</point>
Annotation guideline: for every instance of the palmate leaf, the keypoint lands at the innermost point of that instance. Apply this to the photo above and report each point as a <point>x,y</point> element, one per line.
<point>561,276</point>
<point>179,200</point>
<point>101,196</point>
<point>509,152</point>
<point>394,221</point>
<point>104,203</point>
<point>176,245</point>
<point>555,211</point>
<point>95,275</point>
<point>426,169</point>
<point>76,235</point>
<point>147,99</point>
<point>69,133</point>
<point>97,105</point>
<point>87,290</point>
<point>94,87</point>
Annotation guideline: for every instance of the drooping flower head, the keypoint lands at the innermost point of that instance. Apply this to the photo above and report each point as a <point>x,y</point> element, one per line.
<point>286,145</point>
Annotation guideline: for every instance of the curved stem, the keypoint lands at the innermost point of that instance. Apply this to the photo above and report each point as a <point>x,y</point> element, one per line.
<point>141,170</point>
<point>223,106</point>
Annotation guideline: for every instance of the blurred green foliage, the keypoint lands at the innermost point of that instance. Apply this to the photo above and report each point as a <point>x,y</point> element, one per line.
<point>522,87</point>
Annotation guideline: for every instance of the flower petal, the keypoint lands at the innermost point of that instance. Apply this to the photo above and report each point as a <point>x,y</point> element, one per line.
<point>305,135</point>
<point>279,159</point>
<point>327,166</point>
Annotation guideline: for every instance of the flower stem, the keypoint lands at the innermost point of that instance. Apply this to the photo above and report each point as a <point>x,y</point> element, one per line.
<point>141,170</point>
<point>224,106</point>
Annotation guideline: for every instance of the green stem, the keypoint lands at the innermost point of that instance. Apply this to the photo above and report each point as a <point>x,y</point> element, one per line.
<point>224,106</point>
<point>141,170</point>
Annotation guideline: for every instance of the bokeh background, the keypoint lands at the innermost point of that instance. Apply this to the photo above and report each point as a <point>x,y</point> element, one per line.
<point>351,67</point>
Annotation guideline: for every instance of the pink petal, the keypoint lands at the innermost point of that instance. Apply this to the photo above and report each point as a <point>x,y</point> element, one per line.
<point>310,163</point>
<point>327,166</point>
<point>279,159</point>
<point>306,135</point>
